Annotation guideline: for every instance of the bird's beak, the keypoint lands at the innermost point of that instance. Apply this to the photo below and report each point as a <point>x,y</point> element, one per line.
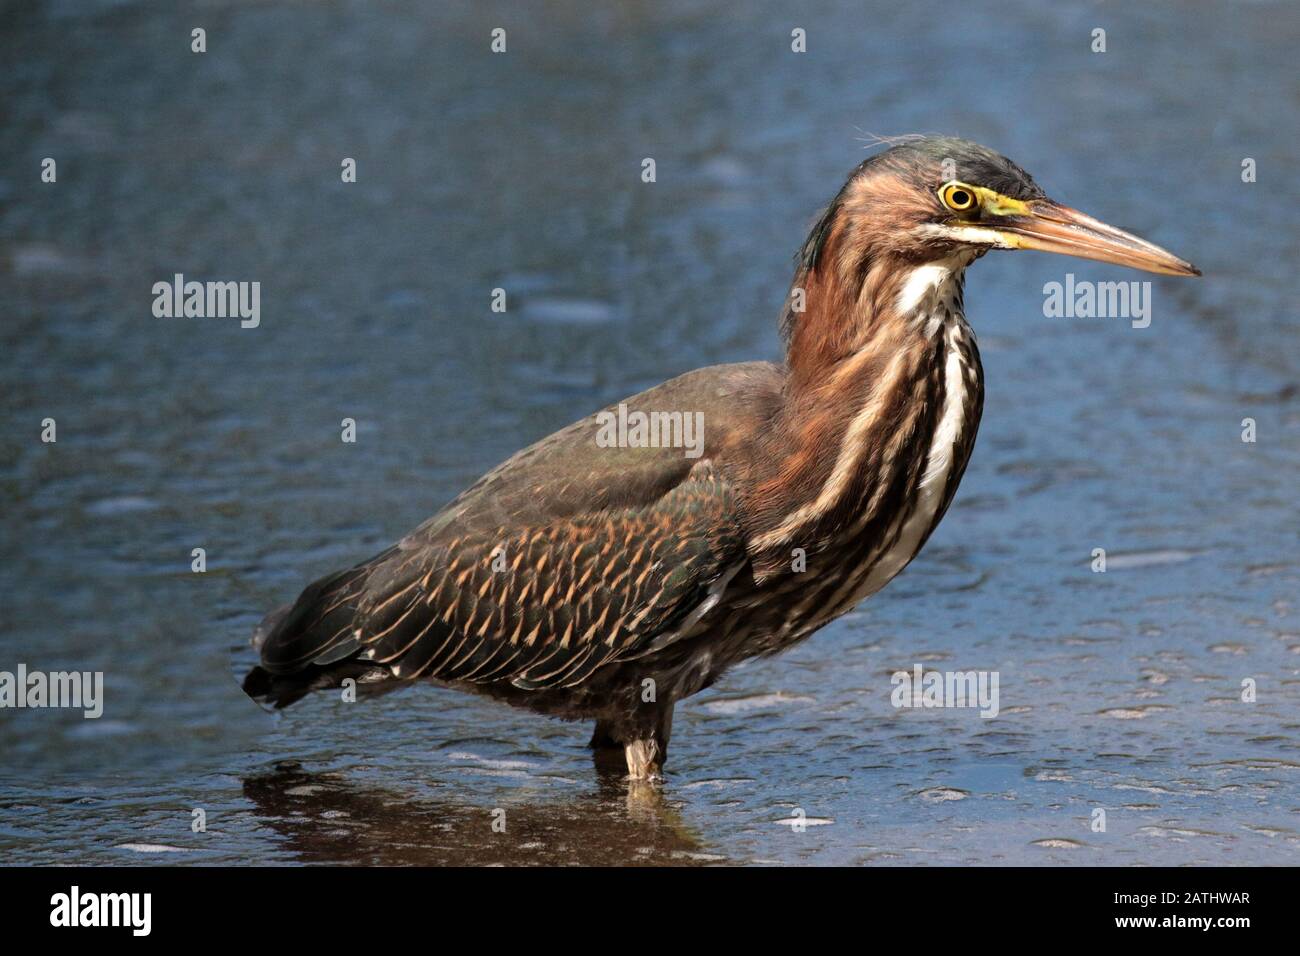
<point>1051,227</point>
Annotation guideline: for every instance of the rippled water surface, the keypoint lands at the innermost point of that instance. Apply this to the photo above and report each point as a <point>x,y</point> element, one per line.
<point>1119,691</point>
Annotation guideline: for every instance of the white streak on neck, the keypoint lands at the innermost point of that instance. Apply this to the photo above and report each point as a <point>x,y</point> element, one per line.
<point>934,481</point>
<point>921,282</point>
<point>930,291</point>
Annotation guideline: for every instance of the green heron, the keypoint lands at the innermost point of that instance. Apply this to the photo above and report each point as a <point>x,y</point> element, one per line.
<point>582,579</point>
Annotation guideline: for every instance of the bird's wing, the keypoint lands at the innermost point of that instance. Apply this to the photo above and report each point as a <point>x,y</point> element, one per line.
<point>567,556</point>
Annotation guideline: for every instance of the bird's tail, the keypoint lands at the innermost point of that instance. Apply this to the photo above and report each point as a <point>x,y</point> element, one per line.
<point>306,646</point>
<point>281,690</point>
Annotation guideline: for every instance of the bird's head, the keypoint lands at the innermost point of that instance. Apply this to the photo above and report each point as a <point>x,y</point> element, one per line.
<point>925,209</point>
<point>935,198</point>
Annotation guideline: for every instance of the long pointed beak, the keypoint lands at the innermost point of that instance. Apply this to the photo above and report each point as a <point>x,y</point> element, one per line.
<point>1051,227</point>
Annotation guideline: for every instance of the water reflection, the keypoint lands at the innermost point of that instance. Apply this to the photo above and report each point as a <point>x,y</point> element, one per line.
<point>326,817</point>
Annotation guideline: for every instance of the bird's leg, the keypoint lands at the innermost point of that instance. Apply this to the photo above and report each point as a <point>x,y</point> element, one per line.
<point>607,747</point>
<point>643,759</point>
<point>604,737</point>
<point>640,742</point>
<point>647,750</point>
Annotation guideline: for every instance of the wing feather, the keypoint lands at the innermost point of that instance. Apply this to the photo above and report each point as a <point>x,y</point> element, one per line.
<point>563,559</point>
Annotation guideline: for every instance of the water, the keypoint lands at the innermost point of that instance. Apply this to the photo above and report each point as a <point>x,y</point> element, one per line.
<point>1118,691</point>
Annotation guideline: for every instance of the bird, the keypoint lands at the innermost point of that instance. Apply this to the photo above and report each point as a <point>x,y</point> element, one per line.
<point>608,580</point>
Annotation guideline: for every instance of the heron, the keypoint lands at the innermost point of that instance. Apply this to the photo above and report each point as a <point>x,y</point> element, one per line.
<point>607,581</point>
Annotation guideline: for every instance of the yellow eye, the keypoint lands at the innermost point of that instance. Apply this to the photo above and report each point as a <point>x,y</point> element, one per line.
<point>959,197</point>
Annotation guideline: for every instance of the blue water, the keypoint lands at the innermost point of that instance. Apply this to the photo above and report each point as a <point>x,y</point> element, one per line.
<point>1118,691</point>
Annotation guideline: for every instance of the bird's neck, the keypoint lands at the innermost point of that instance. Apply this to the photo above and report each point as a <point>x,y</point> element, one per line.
<point>884,384</point>
<point>834,316</point>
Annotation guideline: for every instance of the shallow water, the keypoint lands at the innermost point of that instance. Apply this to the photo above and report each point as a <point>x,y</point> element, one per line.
<point>1118,691</point>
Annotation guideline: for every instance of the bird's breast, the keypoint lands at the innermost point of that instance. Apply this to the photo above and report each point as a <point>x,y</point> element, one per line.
<point>897,465</point>
<point>947,448</point>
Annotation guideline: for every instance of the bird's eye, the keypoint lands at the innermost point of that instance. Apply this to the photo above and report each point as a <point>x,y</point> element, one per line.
<point>958,198</point>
